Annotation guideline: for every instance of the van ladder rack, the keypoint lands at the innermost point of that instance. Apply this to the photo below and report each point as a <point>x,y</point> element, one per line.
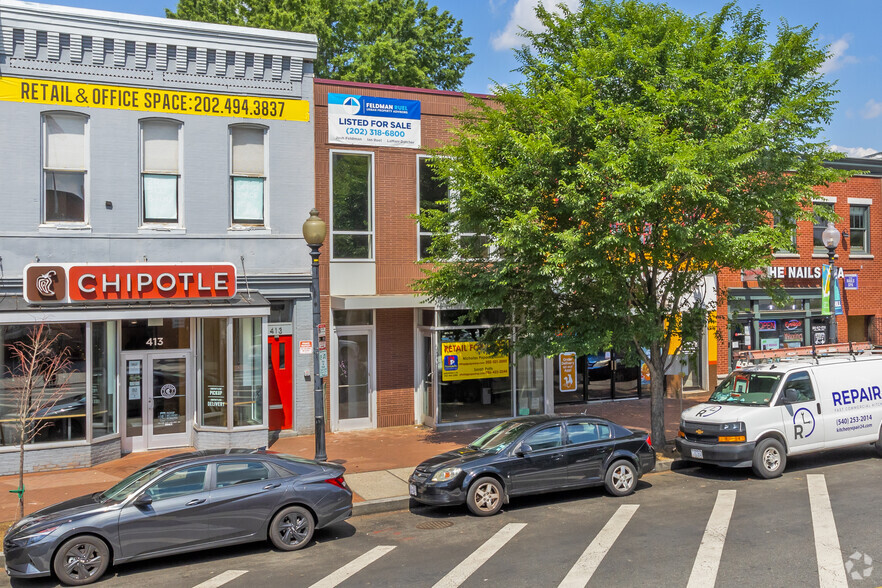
<point>814,351</point>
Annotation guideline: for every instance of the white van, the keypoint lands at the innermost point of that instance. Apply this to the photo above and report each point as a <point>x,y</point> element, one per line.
<point>761,414</point>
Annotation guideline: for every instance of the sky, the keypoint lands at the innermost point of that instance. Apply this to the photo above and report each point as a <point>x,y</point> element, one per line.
<point>850,29</point>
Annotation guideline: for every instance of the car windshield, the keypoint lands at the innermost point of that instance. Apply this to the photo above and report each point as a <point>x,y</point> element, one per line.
<point>500,436</point>
<point>746,388</point>
<point>124,488</point>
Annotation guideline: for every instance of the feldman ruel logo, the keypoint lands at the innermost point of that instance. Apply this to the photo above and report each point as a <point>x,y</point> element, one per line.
<point>46,283</point>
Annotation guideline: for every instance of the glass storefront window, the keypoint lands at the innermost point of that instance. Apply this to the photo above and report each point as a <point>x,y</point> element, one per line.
<point>472,385</point>
<point>105,359</point>
<point>353,318</point>
<point>155,334</point>
<point>247,372</point>
<point>531,385</point>
<point>214,373</point>
<point>62,414</point>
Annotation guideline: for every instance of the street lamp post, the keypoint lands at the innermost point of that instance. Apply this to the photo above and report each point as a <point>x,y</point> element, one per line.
<point>831,237</point>
<point>314,231</point>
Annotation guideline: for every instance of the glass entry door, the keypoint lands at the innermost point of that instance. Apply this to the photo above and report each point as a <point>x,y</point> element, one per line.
<point>157,404</point>
<point>354,400</point>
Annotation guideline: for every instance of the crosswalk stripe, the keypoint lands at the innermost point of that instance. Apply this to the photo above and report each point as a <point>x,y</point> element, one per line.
<point>467,567</point>
<point>707,562</point>
<point>353,567</point>
<point>221,579</point>
<point>831,569</point>
<point>585,567</point>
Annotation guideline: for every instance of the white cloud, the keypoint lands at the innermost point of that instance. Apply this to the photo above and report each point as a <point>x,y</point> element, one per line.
<point>523,15</point>
<point>854,151</point>
<point>871,109</point>
<point>838,58</point>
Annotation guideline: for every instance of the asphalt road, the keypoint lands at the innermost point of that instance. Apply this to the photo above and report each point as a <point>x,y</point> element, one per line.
<point>689,527</point>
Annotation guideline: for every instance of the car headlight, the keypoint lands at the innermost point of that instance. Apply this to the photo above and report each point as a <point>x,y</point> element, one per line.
<point>32,538</point>
<point>732,427</point>
<point>445,474</point>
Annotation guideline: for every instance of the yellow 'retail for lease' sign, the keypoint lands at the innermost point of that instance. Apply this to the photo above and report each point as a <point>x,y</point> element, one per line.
<point>464,361</point>
<point>65,94</point>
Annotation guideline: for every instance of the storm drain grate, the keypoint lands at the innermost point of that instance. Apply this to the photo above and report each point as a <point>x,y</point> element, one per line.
<point>435,525</point>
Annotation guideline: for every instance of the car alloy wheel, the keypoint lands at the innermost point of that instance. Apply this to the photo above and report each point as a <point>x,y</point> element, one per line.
<point>621,478</point>
<point>485,497</point>
<point>292,528</point>
<point>81,560</point>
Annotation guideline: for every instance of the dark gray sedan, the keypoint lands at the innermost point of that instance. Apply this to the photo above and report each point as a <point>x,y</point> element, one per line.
<point>531,455</point>
<point>182,503</point>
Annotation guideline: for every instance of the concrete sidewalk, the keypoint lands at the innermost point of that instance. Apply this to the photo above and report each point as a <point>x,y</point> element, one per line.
<point>377,461</point>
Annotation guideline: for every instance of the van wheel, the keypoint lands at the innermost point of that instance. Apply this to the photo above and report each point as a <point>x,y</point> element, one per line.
<point>878,444</point>
<point>769,459</point>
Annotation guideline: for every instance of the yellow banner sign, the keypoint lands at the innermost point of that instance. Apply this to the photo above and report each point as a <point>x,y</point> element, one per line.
<point>464,361</point>
<point>57,93</point>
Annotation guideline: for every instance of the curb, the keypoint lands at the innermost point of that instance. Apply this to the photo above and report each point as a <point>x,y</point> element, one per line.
<point>380,505</point>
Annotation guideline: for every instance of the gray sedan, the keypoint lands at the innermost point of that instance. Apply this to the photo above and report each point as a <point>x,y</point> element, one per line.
<point>181,503</point>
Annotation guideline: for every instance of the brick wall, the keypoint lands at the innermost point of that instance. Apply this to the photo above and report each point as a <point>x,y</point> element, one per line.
<point>395,231</point>
<point>38,459</point>
<point>395,367</point>
<point>866,301</point>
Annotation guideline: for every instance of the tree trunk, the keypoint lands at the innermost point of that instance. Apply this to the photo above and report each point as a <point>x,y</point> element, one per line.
<point>657,401</point>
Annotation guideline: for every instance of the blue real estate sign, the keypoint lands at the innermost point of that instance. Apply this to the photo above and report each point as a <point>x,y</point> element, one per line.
<point>379,122</point>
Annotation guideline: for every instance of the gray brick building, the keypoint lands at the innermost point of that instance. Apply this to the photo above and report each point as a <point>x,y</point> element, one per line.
<point>156,175</point>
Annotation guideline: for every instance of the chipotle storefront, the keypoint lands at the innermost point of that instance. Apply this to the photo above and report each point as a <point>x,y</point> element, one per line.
<point>161,355</point>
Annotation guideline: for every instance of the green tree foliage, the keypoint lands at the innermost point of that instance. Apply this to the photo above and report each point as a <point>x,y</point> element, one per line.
<point>645,150</point>
<point>398,42</point>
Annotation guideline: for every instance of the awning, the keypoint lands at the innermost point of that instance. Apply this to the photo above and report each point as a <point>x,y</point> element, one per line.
<point>385,301</point>
<point>14,309</point>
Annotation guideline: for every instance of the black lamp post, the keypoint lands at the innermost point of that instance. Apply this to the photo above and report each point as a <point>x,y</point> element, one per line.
<point>830,238</point>
<point>314,231</point>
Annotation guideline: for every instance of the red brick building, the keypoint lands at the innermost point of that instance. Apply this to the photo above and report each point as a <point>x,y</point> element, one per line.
<point>748,318</point>
<point>385,344</point>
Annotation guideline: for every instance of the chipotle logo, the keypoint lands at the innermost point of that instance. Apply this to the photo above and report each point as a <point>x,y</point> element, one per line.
<point>45,283</point>
<point>129,283</point>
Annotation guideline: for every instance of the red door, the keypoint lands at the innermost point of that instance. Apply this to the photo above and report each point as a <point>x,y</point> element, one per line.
<point>281,370</point>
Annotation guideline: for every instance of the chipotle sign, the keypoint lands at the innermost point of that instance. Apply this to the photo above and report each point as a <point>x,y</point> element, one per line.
<point>68,282</point>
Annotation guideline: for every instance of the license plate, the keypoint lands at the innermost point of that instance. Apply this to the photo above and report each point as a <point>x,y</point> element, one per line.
<point>698,453</point>
<point>412,490</point>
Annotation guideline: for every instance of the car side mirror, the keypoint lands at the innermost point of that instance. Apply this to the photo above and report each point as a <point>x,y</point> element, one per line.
<point>791,395</point>
<point>143,500</point>
<point>523,450</point>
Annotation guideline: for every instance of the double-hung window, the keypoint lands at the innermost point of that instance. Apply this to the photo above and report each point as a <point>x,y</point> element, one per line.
<point>858,229</point>
<point>433,194</point>
<point>352,226</point>
<point>65,163</point>
<point>160,171</point>
<point>820,225</point>
<point>248,174</point>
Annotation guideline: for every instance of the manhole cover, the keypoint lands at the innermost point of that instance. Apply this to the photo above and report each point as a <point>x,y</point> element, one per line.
<point>435,525</point>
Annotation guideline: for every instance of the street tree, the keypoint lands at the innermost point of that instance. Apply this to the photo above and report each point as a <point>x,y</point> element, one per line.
<point>397,42</point>
<point>644,151</point>
<point>39,373</point>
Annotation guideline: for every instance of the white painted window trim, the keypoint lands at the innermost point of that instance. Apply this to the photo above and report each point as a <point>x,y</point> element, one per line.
<point>373,206</point>
<point>84,225</point>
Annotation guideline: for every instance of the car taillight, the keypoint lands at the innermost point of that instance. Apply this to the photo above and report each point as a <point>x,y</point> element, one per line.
<point>338,481</point>
<point>649,440</point>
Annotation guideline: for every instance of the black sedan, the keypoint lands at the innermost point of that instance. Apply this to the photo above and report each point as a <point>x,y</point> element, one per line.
<point>531,455</point>
<point>181,503</point>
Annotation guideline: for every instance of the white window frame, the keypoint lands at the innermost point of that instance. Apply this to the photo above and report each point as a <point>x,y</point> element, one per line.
<point>420,232</point>
<point>81,224</point>
<point>372,207</point>
<point>867,244</point>
<point>266,173</point>
<point>824,201</point>
<point>160,225</point>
